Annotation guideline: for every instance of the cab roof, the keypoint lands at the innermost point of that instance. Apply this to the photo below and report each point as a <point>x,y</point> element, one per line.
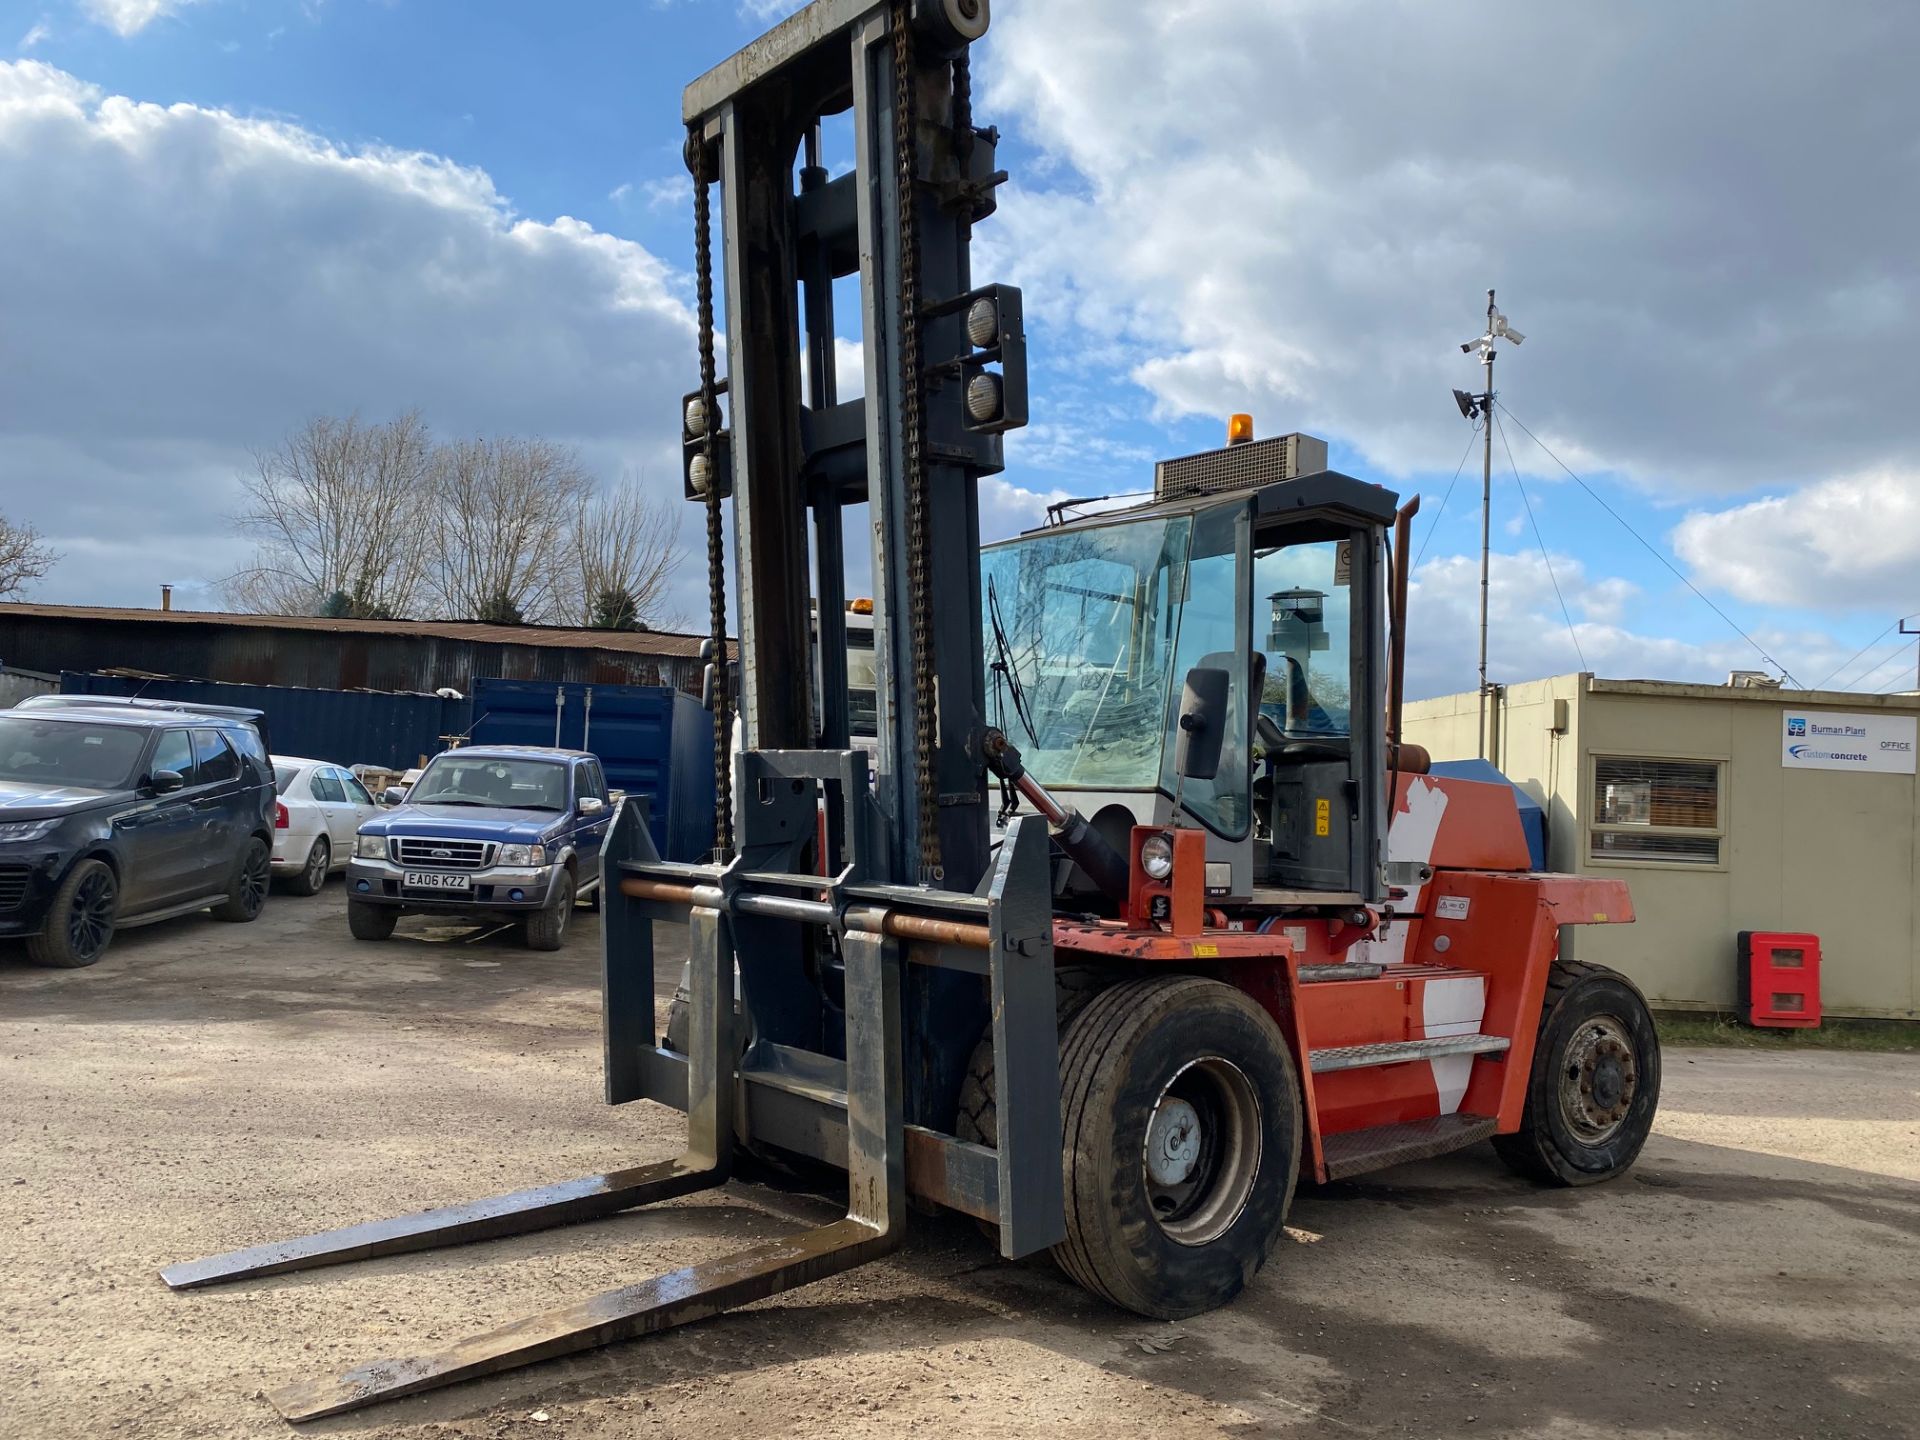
<point>1326,493</point>
<point>517,752</point>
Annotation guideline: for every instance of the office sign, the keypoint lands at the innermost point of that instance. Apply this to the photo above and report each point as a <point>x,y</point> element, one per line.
<point>1830,740</point>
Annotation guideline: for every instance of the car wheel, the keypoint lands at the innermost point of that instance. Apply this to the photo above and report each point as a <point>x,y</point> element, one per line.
<point>79,924</point>
<point>547,929</point>
<point>313,875</point>
<point>371,922</point>
<point>247,892</point>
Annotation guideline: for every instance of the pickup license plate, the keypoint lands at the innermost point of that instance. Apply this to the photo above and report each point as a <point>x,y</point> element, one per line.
<point>435,880</point>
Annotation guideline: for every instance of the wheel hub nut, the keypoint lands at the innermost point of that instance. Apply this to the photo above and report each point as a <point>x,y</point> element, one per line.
<point>1173,1142</point>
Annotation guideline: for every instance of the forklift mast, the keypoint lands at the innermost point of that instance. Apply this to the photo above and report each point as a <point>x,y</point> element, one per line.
<point>944,378</point>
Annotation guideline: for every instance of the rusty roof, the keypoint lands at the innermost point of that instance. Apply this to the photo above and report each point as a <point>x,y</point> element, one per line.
<point>561,637</point>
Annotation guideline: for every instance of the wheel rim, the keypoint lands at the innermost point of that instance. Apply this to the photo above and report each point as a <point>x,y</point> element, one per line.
<point>317,864</point>
<point>90,921</point>
<point>566,909</point>
<point>1598,1080</point>
<point>1202,1151</point>
<point>253,880</point>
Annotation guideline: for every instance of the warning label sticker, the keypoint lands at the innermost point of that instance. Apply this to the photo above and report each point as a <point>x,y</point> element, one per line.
<point>1452,907</point>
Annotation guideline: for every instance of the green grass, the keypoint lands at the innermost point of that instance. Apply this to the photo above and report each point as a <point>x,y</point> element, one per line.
<point>1692,1027</point>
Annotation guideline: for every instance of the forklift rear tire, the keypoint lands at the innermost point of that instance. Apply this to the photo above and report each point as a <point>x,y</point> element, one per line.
<point>371,922</point>
<point>1595,1082</point>
<point>1180,1123</point>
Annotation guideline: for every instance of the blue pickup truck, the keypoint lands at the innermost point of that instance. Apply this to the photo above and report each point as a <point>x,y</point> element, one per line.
<point>495,831</point>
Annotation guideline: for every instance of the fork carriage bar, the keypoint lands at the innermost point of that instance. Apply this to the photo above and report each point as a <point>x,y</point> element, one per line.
<point>867,919</point>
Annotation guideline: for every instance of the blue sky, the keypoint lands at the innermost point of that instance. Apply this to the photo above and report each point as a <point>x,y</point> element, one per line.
<point>1292,208</point>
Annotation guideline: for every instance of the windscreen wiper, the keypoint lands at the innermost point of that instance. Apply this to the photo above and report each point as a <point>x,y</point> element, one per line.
<point>1003,664</point>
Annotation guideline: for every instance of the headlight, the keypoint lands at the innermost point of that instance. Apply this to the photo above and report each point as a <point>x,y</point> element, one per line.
<point>522,855</point>
<point>1156,856</point>
<point>28,829</point>
<point>984,397</point>
<point>370,847</point>
<point>983,323</point>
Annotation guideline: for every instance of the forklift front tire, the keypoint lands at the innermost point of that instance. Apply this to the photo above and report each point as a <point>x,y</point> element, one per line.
<point>1180,1121</point>
<point>1595,1081</point>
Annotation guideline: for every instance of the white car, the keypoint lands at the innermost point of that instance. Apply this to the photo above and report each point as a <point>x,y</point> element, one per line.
<point>321,808</point>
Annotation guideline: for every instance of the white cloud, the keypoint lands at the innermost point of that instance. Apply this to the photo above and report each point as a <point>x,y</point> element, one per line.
<point>1528,635</point>
<point>1849,543</point>
<point>187,284</point>
<point>37,34</point>
<point>1296,207</point>
<point>130,17</point>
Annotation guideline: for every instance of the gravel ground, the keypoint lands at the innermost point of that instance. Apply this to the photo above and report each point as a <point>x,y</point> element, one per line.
<point>208,1086</point>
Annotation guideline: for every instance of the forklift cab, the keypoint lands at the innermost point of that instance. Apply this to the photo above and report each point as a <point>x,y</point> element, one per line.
<point>1093,626</point>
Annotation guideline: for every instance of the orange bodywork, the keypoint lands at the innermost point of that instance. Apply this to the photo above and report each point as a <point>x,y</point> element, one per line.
<point>1466,954</point>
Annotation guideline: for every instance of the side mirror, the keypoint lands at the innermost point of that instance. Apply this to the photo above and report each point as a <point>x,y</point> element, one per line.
<point>165,782</point>
<point>707,678</point>
<point>1203,723</point>
<point>591,804</point>
<point>392,795</point>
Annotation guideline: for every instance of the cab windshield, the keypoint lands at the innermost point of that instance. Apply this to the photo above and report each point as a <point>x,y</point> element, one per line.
<point>65,752</point>
<point>1081,633</point>
<point>493,782</point>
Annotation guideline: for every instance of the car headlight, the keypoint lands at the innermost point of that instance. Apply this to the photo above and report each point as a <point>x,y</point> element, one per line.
<point>370,847</point>
<point>28,829</point>
<point>522,855</point>
<point>1156,856</point>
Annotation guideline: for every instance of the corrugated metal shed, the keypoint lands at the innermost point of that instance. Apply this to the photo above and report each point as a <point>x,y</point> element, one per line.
<point>299,650</point>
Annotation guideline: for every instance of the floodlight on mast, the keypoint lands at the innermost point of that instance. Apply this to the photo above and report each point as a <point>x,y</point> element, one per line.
<point>1479,408</point>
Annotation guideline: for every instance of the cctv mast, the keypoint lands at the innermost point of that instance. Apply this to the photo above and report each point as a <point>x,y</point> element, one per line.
<point>1480,407</point>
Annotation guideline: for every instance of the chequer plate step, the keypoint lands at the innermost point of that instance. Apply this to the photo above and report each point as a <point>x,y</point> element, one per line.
<point>1359,1151</point>
<point>1394,1052</point>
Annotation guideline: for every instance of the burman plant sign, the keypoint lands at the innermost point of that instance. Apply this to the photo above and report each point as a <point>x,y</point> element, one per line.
<point>1829,740</point>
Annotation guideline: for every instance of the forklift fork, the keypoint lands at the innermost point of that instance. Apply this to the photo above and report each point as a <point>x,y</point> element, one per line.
<point>871,1227</point>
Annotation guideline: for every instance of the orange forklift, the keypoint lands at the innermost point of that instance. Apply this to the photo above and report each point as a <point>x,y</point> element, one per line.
<point>1139,911</point>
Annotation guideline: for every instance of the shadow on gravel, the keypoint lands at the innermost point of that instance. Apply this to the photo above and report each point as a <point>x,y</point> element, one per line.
<point>1651,1364</point>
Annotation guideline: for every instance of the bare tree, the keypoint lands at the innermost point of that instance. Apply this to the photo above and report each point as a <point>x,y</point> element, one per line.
<point>340,514</point>
<point>24,557</point>
<point>506,510</point>
<point>621,556</point>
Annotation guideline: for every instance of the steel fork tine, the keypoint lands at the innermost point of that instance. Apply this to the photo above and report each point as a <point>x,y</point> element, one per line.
<point>518,1213</point>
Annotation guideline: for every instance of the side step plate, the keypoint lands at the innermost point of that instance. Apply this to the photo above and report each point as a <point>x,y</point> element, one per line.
<point>1355,1057</point>
<point>1358,1151</point>
<point>680,1296</point>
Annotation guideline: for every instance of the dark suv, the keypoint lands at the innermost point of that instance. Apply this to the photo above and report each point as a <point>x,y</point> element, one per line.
<point>121,816</point>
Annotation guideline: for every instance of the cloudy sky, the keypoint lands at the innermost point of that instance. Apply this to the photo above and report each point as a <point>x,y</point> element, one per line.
<point>219,217</point>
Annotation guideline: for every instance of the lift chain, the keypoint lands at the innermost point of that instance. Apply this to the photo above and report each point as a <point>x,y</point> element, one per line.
<point>716,535</point>
<point>919,564</point>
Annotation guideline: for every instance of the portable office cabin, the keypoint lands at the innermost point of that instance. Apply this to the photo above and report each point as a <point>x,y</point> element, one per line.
<point>1725,808</point>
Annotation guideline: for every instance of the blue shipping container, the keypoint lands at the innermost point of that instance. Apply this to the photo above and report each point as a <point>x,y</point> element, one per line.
<point>343,727</point>
<point>651,741</point>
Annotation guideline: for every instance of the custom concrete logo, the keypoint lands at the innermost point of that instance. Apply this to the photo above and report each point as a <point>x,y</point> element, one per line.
<point>1884,742</point>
